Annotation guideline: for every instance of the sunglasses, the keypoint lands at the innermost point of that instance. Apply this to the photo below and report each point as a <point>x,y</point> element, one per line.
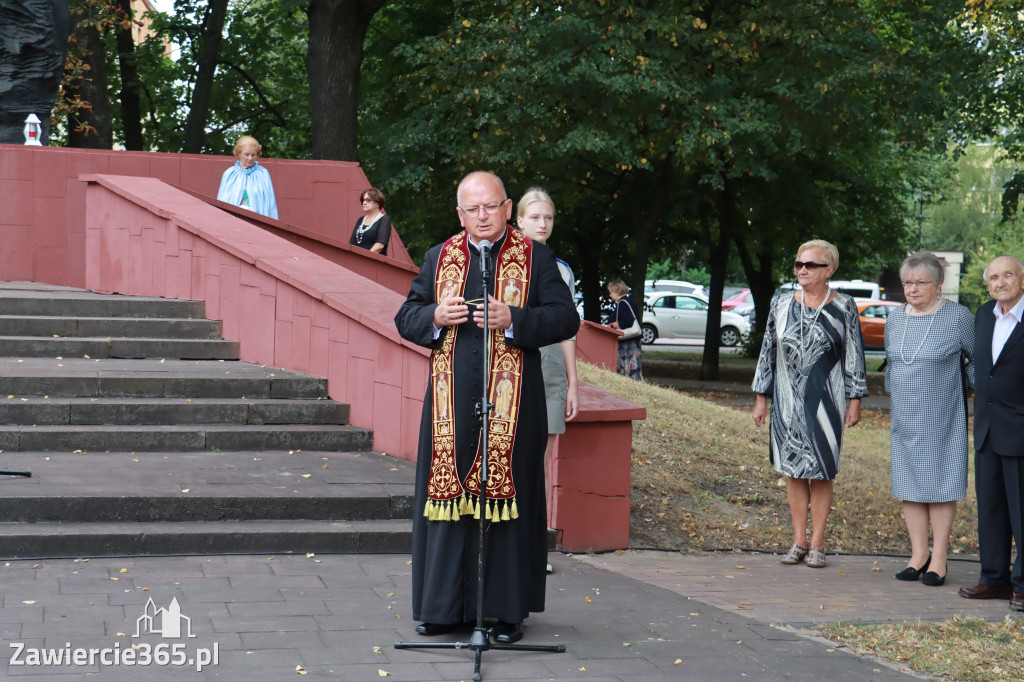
<point>810,265</point>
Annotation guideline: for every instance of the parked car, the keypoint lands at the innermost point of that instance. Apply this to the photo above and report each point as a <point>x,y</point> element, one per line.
<point>607,307</point>
<point>873,315</point>
<point>747,311</point>
<point>857,288</point>
<point>740,297</point>
<point>684,316</point>
<point>656,285</point>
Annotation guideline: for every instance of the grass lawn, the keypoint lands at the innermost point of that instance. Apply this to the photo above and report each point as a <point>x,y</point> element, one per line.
<point>701,480</point>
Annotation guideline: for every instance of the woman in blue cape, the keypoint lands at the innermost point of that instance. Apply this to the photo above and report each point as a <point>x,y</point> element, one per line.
<point>247,184</point>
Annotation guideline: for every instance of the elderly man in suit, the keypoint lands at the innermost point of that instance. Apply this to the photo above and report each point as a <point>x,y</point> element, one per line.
<point>998,430</point>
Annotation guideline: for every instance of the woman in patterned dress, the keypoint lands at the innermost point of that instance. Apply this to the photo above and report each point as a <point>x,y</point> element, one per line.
<point>812,366</point>
<point>925,342</point>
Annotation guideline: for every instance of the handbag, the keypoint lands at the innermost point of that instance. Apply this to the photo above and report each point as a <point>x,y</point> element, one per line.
<point>634,330</point>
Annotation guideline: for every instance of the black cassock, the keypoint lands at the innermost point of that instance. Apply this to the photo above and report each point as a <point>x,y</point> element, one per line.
<point>444,553</point>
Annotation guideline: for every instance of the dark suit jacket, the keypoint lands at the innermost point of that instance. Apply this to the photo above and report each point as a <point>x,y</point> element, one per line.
<point>999,388</point>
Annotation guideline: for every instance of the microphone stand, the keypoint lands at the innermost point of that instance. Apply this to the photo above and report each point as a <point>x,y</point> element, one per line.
<point>480,640</point>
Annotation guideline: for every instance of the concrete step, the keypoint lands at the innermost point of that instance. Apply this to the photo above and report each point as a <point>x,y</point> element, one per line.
<point>74,540</point>
<point>134,411</point>
<point>187,437</point>
<point>97,347</point>
<point>114,327</point>
<point>103,504</point>
<point>102,378</point>
<point>70,303</point>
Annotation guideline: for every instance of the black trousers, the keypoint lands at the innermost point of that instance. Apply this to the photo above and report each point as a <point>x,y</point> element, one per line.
<point>999,482</point>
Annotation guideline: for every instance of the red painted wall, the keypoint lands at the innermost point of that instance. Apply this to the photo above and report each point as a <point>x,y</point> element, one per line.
<point>598,345</point>
<point>294,294</point>
<point>287,307</point>
<point>42,201</point>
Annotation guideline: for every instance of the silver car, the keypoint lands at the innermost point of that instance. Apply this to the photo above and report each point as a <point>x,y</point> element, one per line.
<point>682,316</point>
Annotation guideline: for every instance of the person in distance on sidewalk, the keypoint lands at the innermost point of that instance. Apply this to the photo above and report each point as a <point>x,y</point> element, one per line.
<point>998,426</point>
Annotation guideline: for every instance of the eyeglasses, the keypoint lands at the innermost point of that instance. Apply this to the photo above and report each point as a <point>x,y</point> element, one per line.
<point>919,285</point>
<point>489,208</point>
<point>810,265</point>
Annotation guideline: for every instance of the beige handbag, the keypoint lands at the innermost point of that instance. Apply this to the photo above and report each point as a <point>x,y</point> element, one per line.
<point>634,330</point>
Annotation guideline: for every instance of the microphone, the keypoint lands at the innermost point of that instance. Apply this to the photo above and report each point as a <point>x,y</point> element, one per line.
<point>485,252</point>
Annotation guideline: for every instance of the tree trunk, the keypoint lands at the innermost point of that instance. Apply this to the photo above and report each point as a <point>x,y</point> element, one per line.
<point>209,51</point>
<point>645,227</point>
<point>725,210</point>
<point>759,278</point>
<point>131,105</point>
<point>337,29</point>
<point>91,127</point>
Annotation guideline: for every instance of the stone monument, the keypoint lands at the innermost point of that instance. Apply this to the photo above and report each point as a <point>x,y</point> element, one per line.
<point>33,45</point>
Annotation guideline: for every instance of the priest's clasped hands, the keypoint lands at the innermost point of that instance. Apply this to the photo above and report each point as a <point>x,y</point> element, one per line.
<point>454,310</point>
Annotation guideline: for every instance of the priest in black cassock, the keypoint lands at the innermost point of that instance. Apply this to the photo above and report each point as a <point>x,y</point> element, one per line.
<point>529,307</point>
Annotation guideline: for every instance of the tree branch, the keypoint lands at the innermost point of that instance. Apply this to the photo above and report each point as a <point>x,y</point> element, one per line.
<point>259,93</point>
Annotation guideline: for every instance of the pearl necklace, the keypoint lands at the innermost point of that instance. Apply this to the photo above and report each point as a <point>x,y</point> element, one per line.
<point>367,225</point>
<point>812,317</point>
<point>903,355</point>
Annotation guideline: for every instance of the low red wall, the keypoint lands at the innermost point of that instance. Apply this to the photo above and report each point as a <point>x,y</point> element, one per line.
<point>598,345</point>
<point>287,307</point>
<point>590,473</point>
<point>42,220</point>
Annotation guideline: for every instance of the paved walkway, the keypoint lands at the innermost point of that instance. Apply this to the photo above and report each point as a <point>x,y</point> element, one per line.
<point>628,616</point>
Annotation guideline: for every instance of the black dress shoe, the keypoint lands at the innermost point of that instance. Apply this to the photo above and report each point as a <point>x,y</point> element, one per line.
<point>910,574</point>
<point>432,629</point>
<point>980,591</point>
<point>933,579</point>
<point>508,633</point>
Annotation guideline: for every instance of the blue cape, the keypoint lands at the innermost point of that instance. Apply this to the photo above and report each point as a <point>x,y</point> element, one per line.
<point>252,185</point>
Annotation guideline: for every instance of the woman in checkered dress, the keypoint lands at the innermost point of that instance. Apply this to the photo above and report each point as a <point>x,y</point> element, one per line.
<point>926,343</point>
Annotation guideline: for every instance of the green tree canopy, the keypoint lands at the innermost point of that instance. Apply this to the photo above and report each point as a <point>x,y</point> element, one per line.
<point>754,124</point>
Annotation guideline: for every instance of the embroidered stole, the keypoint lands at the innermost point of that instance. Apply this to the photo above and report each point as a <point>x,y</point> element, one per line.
<point>448,497</point>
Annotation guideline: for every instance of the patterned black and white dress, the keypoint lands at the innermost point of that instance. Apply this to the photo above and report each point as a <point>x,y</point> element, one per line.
<point>812,362</point>
<point>928,439</point>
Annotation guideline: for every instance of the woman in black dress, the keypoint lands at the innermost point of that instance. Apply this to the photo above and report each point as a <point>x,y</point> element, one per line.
<point>373,230</point>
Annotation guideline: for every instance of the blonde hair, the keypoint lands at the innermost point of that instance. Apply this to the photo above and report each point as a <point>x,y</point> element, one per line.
<point>533,195</point>
<point>246,140</point>
<point>618,286</point>
<point>831,252</point>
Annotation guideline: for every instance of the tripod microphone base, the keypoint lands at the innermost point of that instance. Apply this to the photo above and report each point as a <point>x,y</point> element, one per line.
<point>479,643</point>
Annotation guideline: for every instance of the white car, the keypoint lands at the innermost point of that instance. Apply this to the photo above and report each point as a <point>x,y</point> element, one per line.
<point>856,288</point>
<point>652,286</point>
<point>682,316</point>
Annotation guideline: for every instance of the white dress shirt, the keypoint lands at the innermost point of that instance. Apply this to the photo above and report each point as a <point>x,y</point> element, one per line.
<point>1005,324</point>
